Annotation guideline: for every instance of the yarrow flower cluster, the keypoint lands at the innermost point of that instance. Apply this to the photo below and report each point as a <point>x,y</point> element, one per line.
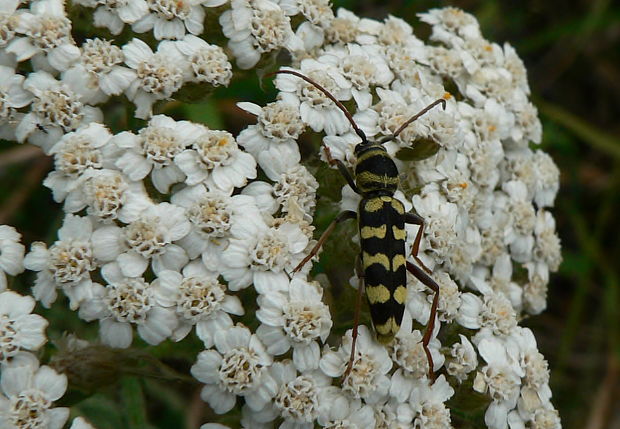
<point>168,228</point>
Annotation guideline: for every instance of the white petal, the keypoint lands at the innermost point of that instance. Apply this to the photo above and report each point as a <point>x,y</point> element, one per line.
<point>115,334</point>
<point>306,357</point>
<point>132,264</point>
<point>50,382</point>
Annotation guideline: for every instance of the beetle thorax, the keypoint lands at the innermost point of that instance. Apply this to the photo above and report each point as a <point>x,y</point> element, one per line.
<point>375,171</point>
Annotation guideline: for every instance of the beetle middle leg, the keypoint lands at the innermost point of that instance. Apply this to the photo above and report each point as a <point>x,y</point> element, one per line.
<point>415,219</point>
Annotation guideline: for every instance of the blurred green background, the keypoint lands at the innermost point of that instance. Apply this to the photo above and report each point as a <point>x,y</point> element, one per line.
<point>572,53</point>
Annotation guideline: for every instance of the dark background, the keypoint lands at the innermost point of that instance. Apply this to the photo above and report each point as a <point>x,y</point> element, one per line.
<point>572,53</point>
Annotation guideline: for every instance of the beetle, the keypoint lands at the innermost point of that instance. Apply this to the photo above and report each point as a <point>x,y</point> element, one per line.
<point>381,222</point>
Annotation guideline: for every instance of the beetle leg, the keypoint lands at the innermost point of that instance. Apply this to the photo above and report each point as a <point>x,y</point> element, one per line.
<point>344,171</point>
<point>356,319</point>
<point>348,214</point>
<point>430,326</point>
<point>415,219</point>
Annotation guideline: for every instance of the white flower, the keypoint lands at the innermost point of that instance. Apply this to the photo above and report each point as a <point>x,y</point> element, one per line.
<point>298,320</point>
<point>208,63</point>
<point>515,66</point>
<point>67,264</point>
<point>483,157</point>
<point>215,158</point>
<point>211,215</point>
<point>547,179</point>
<point>535,391</point>
<point>448,172</point>
<point>108,195</point>
<point>523,219</point>
<point>28,393</point>
<point>261,419</point>
<point>261,254</point>
<point>494,315</point>
<point>316,110</point>
<point>159,74</point>
<point>81,423</point>
<point>298,184</point>
<point>463,359</point>
<point>214,426</point>
<point>344,28</point>
<point>445,62</point>
<point>9,21</point>
<point>55,110</point>
<point>298,398</point>
<point>239,367</point>
<point>527,125</point>
<point>479,53</point>
<point>148,238</point>
<point>125,301</point>
<point>499,281</point>
<point>420,298</point>
<point>48,36</point>
<point>12,94</point>
<point>440,224</point>
<point>262,192</point>
<point>428,406</point>
<point>169,19</point>
<point>368,377</point>
<point>75,154</point>
<point>154,150</point>
<point>338,411</point>
<point>519,165</point>
<point>546,419</point>
<point>19,330</point>
<point>501,379</point>
<point>257,27</point>
<point>363,67</point>
<point>407,351</point>
<point>395,31</point>
<point>278,128</point>
<point>98,74</point>
<point>495,227</point>
<point>11,254</point>
<point>342,147</point>
<point>315,11</point>
<point>450,23</point>
<point>199,299</point>
<point>547,243</point>
<point>114,14</point>
<point>535,290</point>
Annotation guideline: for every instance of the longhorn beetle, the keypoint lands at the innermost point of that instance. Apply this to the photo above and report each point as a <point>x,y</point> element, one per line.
<point>381,220</point>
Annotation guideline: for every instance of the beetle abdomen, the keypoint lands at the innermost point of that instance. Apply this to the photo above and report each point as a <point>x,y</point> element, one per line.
<point>382,240</point>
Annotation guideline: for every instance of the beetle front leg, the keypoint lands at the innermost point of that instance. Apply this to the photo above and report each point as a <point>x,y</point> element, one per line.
<point>344,171</point>
<point>340,218</point>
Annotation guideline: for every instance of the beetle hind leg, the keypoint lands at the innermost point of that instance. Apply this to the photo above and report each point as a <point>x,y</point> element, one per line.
<point>419,274</point>
<point>358,305</point>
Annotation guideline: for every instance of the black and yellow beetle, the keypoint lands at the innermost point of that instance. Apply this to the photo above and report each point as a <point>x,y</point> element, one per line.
<point>381,220</point>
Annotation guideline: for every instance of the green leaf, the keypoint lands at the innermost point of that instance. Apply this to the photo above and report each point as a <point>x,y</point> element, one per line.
<point>133,398</point>
<point>422,149</point>
<point>194,92</point>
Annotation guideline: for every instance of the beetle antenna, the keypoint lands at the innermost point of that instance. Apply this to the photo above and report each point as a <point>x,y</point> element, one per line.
<point>400,129</point>
<point>357,129</point>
